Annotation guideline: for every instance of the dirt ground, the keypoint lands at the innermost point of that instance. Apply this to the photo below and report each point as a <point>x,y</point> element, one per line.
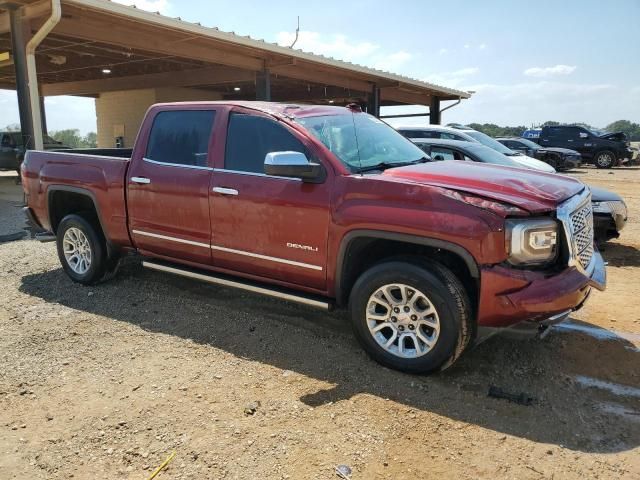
<point>108,381</point>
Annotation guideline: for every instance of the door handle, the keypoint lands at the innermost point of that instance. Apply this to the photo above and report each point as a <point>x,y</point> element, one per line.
<point>225,191</point>
<point>140,180</point>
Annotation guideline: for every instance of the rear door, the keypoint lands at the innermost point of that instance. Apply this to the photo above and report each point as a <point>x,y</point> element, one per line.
<point>168,186</point>
<point>265,226</point>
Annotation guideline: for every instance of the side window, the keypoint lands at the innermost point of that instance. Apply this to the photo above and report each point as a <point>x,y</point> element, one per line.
<point>449,136</point>
<point>250,138</point>
<point>181,137</point>
<point>441,153</point>
<point>6,141</point>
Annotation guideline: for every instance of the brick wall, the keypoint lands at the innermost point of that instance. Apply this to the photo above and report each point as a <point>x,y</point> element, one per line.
<point>118,111</point>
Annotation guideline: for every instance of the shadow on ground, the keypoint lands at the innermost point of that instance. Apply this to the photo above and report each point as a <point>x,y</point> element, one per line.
<point>621,255</point>
<point>320,346</point>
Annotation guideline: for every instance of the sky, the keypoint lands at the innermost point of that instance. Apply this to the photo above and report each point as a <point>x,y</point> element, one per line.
<point>527,62</point>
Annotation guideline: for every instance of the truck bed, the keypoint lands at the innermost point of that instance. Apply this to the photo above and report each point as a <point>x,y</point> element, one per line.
<point>101,176</point>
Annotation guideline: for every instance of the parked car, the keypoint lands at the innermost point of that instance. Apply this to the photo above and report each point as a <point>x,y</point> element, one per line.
<point>609,214</point>
<point>12,149</point>
<point>460,132</point>
<point>562,159</point>
<point>609,209</point>
<point>604,151</point>
<point>327,206</point>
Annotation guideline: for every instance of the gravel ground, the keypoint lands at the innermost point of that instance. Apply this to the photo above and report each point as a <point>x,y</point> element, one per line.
<point>107,381</point>
<point>11,218</point>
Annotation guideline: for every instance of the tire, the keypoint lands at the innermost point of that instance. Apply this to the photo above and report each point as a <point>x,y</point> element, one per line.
<point>604,159</point>
<point>434,286</point>
<point>77,234</point>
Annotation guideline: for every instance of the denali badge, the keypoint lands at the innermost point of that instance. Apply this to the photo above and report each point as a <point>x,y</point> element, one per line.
<point>302,247</point>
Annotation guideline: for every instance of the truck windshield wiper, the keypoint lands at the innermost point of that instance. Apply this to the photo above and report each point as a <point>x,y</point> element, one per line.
<point>385,165</point>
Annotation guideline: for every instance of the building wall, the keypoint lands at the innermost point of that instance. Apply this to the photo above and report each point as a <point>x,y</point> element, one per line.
<point>121,113</point>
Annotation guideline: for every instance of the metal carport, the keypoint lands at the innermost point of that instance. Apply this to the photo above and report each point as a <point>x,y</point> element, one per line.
<point>95,47</point>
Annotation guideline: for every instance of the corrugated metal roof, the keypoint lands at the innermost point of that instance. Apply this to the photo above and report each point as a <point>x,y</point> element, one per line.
<point>247,41</point>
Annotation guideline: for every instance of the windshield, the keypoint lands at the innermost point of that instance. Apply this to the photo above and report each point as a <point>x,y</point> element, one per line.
<point>488,155</point>
<point>485,139</point>
<point>529,143</point>
<point>361,141</point>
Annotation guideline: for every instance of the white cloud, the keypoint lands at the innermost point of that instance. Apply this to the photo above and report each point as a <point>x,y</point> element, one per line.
<point>466,45</point>
<point>342,47</point>
<point>442,51</point>
<point>161,6</point>
<point>452,79</point>
<point>535,102</point>
<point>550,71</point>
<point>482,46</point>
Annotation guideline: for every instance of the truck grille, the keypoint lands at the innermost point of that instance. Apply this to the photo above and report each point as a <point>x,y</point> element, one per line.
<point>582,233</point>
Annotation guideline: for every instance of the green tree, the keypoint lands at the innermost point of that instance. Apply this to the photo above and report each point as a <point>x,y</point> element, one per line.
<point>631,129</point>
<point>14,127</point>
<point>71,138</point>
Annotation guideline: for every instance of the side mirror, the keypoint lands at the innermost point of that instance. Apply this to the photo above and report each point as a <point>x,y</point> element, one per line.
<point>293,165</point>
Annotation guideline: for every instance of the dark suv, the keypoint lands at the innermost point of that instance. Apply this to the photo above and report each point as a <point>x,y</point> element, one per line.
<point>12,149</point>
<point>562,159</point>
<point>604,151</point>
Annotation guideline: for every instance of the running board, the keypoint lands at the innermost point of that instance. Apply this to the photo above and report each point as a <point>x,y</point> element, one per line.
<point>241,284</point>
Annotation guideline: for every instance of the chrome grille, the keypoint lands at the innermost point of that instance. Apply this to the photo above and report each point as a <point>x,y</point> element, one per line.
<point>582,233</point>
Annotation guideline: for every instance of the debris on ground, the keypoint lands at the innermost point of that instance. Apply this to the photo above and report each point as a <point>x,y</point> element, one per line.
<point>519,398</point>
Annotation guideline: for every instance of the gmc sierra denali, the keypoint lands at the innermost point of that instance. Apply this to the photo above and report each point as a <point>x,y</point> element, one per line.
<point>327,206</point>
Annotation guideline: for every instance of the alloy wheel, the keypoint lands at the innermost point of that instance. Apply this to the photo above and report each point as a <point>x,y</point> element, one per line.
<point>403,320</point>
<point>77,250</point>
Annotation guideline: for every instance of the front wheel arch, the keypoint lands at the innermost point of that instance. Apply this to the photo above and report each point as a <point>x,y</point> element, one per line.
<point>355,241</point>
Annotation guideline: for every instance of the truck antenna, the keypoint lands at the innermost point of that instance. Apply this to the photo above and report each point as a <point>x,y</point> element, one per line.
<point>297,33</point>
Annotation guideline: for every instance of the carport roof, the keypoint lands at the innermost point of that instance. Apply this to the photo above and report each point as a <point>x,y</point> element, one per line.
<point>95,33</point>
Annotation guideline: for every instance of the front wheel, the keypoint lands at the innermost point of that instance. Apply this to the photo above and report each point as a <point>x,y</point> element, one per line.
<point>81,250</point>
<point>411,318</point>
<point>605,159</point>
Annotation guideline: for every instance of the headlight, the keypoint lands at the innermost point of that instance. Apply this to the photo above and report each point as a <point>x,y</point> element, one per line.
<point>601,207</point>
<point>531,242</point>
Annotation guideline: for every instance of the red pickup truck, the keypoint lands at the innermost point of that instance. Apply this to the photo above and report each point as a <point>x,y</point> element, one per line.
<point>327,206</point>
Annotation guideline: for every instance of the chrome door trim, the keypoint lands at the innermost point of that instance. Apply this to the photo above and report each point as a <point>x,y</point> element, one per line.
<point>225,190</point>
<point>171,239</point>
<point>266,257</point>
<point>193,167</point>
<point>255,174</point>
<point>141,180</point>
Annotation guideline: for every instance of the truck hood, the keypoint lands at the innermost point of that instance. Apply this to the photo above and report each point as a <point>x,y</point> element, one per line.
<point>615,136</point>
<point>527,189</point>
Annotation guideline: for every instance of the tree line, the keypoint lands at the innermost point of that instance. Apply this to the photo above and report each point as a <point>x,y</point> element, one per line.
<point>631,129</point>
<point>70,137</point>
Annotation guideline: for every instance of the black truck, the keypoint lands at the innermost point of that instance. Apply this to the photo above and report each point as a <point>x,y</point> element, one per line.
<point>604,151</point>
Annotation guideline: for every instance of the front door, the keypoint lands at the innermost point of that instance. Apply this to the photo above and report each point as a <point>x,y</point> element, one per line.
<point>168,187</point>
<point>270,227</point>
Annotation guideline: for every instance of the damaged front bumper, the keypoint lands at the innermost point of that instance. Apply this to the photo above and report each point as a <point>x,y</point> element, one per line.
<point>509,297</point>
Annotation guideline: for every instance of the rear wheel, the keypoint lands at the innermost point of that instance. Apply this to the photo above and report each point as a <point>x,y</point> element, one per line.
<point>411,318</point>
<point>604,159</point>
<point>81,249</point>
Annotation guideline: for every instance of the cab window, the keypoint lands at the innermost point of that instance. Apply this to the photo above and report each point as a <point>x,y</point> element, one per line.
<point>250,138</point>
<point>181,137</point>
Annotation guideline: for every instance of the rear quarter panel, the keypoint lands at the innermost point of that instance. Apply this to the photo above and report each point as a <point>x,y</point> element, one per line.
<point>102,178</point>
